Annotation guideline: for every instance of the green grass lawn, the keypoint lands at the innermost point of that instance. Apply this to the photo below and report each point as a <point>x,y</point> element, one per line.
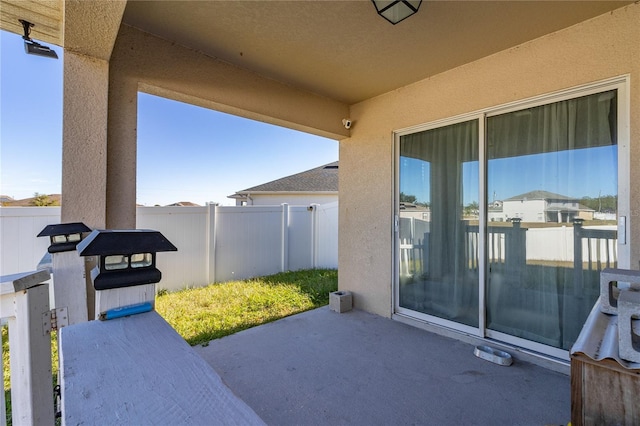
<point>206,313</point>
<point>5,369</point>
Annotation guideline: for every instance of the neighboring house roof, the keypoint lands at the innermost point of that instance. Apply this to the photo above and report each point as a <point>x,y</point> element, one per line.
<point>413,207</point>
<point>540,195</point>
<point>321,179</point>
<point>183,204</point>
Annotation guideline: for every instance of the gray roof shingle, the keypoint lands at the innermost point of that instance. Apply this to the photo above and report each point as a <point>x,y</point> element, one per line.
<point>540,195</point>
<point>320,179</point>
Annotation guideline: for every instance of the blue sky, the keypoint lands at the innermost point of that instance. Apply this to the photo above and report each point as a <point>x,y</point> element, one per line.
<point>579,173</point>
<point>185,153</point>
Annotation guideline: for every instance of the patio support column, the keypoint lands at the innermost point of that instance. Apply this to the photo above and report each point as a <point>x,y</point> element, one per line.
<point>122,150</point>
<point>84,146</point>
<point>90,30</point>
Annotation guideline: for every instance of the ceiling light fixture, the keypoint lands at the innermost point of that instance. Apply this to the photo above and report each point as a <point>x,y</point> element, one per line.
<point>395,11</point>
<point>32,47</point>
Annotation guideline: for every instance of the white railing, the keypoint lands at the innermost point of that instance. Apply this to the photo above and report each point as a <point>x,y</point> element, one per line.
<point>215,243</point>
<point>24,303</point>
<point>554,244</point>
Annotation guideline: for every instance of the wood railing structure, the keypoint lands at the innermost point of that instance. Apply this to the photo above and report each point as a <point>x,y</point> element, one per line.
<point>601,245</point>
<point>130,345</point>
<point>506,245</point>
<point>593,249</point>
<point>24,303</point>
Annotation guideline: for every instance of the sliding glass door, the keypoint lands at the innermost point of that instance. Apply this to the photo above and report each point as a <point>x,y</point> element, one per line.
<point>549,169</point>
<point>505,220</point>
<point>438,183</point>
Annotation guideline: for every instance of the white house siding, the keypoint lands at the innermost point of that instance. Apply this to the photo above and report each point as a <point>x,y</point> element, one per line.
<point>292,199</point>
<point>528,211</point>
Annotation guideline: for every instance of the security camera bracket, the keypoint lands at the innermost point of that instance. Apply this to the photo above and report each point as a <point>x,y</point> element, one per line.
<point>33,47</point>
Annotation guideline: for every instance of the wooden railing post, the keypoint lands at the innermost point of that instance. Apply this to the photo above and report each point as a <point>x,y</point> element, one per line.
<point>577,257</point>
<point>25,302</point>
<point>515,247</point>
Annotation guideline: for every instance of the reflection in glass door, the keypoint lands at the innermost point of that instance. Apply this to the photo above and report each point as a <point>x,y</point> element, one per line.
<point>438,209</point>
<point>552,186</point>
<point>539,236</point>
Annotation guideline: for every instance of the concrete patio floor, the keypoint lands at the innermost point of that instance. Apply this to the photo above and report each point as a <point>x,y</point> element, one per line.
<point>355,368</point>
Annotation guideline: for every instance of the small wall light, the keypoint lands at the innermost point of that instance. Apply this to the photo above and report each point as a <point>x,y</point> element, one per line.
<point>127,257</point>
<point>395,11</point>
<point>33,47</point>
<point>64,236</point>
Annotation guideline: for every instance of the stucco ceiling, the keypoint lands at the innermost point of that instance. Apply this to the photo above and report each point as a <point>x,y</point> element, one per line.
<point>342,49</point>
<point>339,49</point>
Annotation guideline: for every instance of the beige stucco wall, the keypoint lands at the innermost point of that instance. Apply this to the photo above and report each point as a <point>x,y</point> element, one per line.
<point>85,108</point>
<point>84,148</point>
<point>604,47</point>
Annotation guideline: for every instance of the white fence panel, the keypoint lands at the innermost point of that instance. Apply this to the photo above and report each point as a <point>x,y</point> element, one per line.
<point>186,228</point>
<point>556,244</point>
<point>327,236</point>
<point>552,244</point>
<point>300,237</point>
<point>214,244</point>
<point>20,249</point>
<point>248,242</point>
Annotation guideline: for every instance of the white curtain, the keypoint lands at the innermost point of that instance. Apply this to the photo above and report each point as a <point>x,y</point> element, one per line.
<point>584,122</point>
<point>448,288</point>
<point>525,299</point>
<point>539,302</point>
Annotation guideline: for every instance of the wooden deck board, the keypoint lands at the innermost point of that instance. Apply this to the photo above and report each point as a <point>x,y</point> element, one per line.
<point>138,370</point>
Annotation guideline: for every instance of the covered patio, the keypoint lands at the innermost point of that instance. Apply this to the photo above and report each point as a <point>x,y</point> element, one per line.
<point>312,66</point>
<point>325,368</point>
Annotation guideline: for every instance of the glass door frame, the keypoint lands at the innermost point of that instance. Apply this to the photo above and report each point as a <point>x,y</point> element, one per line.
<point>397,309</point>
<point>622,85</point>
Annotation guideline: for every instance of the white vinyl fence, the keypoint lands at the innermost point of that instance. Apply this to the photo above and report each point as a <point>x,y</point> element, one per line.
<point>215,243</point>
<point>20,249</point>
<point>591,247</point>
